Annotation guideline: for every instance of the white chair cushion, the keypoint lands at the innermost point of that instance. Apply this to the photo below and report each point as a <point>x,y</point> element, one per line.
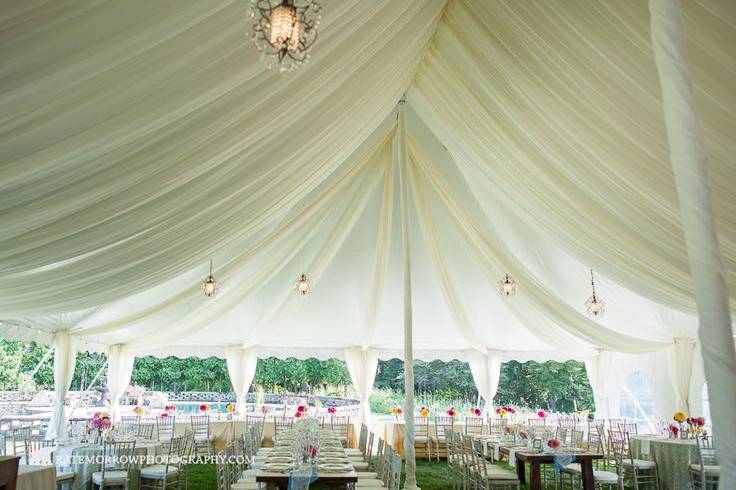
<point>367,474</point>
<point>64,476</point>
<point>573,468</point>
<point>353,450</point>
<point>640,464</point>
<point>420,439</point>
<point>203,438</point>
<point>709,469</point>
<point>244,486</point>
<point>110,476</point>
<point>498,475</point>
<point>157,471</point>
<point>249,473</point>
<point>604,476</point>
<point>369,484</point>
<point>360,466</point>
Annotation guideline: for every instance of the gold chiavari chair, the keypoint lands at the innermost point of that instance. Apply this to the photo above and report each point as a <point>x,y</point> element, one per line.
<point>421,435</point>
<point>442,425</point>
<point>473,426</point>
<point>280,425</point>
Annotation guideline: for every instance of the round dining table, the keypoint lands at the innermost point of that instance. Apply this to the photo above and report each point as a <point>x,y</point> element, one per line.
<point>673,458</point>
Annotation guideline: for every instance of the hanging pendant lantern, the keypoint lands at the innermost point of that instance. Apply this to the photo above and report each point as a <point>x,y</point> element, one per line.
<point>595,307</point>
<point>303,286</point>
<point>209,286</point>
<point>507,286</point>
<point>284,31</point>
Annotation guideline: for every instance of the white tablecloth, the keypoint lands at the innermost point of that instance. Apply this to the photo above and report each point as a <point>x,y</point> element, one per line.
<point>36,477</point>
<point>64,454</point>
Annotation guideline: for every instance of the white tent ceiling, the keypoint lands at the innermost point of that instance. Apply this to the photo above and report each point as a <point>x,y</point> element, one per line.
<point>138,142</point>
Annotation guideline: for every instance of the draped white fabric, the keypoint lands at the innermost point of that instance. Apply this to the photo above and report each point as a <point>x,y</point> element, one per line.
<point>690,165</point>
<point>486,371</point>
<point>140,141</point>
<point>680,360</point>
<point>162,157</point>
<point>119,371</point>
<point>241,367</point>
<point>605,382</point>
<point>362,365</point>
<point>65,355</point>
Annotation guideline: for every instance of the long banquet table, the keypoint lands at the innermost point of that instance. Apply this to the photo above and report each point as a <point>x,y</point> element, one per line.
<point>332,469</point>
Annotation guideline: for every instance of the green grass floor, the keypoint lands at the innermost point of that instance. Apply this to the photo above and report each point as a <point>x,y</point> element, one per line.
<point>431,475</point>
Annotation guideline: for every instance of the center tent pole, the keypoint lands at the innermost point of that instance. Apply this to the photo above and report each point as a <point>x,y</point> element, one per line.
<point>411,465</point>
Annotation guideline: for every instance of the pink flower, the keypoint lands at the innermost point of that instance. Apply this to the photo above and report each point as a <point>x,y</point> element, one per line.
<point>674,430</point>
<point>298,414</point>
<point>331,410</point>
<point>511,410</point>
<point>301,409</point>
<point>451,412</point>
<point>475,411</point>
<point>164,414</point>
<point>553,443</point>
<point>264,409</point>
<point>203,407</point>
<point>541,414</point>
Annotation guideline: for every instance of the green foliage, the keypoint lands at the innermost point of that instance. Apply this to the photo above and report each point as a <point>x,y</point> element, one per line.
<point>551,385</point>
<point>555,386</point>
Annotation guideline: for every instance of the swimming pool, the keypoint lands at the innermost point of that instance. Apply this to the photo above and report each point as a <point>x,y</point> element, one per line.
<point>193,407</point>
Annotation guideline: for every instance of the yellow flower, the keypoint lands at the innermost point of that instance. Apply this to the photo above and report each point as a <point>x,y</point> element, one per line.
<point>424,412</point>
<point>679,416</point>
<point>230,408</point>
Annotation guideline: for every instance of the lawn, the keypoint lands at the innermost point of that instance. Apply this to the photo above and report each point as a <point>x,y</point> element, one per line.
<point>431,475</point>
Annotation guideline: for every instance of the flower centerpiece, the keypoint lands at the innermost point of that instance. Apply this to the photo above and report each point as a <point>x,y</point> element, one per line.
<point>264,409</point>
<point>331,410</point>
<point>674,430</point>
<point>501,412</point>
<point>554,444</point>
<point>99,423</point>
<point>230,409</point>
<point>695,425</point>
<point>475,411</point>
<point>169,408</point>
<point>204,408</point>
<point>138,410</point>
<point>424,411</point>
<point>451,412</point>
<point>541,413</point>
<point>396,412</point>
<point>679,417</point>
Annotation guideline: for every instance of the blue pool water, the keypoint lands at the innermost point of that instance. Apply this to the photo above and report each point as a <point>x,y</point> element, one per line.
<point>193,407</point>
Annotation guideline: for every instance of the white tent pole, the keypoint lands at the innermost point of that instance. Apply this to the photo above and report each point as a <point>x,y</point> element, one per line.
<point>690,166</point>
<point>411,467</point>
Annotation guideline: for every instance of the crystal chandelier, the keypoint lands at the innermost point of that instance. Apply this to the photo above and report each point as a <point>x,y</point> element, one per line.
<point>507,286</point>
<point>209,286</point>
<point>595,307</point>
<point>284,31</point>
<point>303,286</point>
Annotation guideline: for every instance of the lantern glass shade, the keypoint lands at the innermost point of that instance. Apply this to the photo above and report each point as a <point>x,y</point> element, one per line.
<point>595,307</point>
<point>507,286</point>
<point>303,286</point>
<point>284,27</point>
<point>209,286</point>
